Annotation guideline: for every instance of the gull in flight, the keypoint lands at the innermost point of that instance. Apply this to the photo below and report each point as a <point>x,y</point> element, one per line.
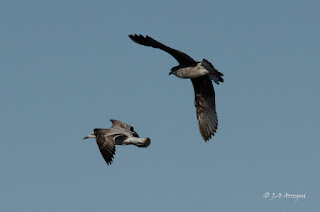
<point>119,134</point>
<point>201,74</point>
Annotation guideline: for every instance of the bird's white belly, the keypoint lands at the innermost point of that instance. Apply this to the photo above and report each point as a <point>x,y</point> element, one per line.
<point>133,140</point>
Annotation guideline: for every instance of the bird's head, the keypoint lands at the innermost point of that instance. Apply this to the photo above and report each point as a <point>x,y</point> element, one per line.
<point>174,70</point>
<point>92,135</point>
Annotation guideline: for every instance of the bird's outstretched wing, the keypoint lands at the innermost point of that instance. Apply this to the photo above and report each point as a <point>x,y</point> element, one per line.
<point>181,57</point>
<point>117,123</point>
<point>206,107</point>
<point>106,145</point>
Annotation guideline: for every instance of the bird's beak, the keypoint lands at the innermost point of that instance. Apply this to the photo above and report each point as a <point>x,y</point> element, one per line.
<point>89,136</point>
<point>170,73</point>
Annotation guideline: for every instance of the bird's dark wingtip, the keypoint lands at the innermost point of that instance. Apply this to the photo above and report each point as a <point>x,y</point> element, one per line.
<point>135,38</point>
<point>138,36</point>
<point>148,142</point>
<point>109,162</point>
<point>131,37</point>
<point>206,138</point>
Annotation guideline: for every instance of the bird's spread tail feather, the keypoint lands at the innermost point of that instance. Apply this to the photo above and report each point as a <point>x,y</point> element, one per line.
<point>145,143</point>
<point>214,74</point>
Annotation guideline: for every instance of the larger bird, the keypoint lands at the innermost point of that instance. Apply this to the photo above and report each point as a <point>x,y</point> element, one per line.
<point>119,134</point>
<point>201,74</point>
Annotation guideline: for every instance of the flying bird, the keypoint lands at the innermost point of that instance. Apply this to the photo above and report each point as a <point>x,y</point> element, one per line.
<point>201,74</point>
<point>119,134</point>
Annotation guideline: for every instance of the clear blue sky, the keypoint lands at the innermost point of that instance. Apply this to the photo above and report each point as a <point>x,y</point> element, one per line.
<point>68,67</point>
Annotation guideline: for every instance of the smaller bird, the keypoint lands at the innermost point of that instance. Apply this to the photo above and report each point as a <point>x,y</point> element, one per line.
<point>119,134</point>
